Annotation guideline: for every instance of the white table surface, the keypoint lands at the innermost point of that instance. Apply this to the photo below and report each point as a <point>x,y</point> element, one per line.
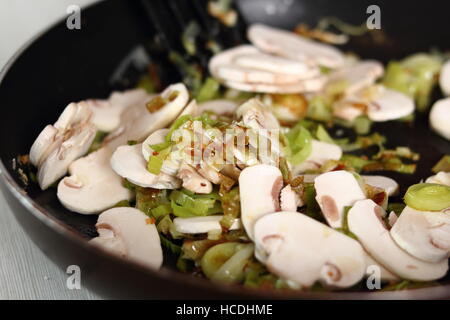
<point>25,272</point>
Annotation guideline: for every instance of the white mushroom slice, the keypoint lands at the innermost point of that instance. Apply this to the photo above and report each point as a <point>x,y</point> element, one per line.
<point>321,152</point>
<point>356,77</point>
<point>92,186</point>
<point>129,233</point>
<point>289,199</point>
<point>392,218</point>
<point>259,189</point>
<point>364,220</point>
<point>137,123</point>
<point>257,115</point>
<point>300,249</point>
<point>193,181</point>
<point>385,274</point>
<point>197,225</point>
<point>424,235</point>
<point>220,107</point>
<point>45,143</point>
<point>440,178</point>
<point>307,85</point>
<point>128,162</point>
<point>191,109</point>
<point>444,78</point>
<point>440,117</point>
<point>155,138</point>
<point>290,45</point>
<point>336,190</point>
<point>75,145</point>
<point>389,105</point>
<point>387,184</point>
<point>277,65</point>
<point>106,113</point>
<point>347,110</point>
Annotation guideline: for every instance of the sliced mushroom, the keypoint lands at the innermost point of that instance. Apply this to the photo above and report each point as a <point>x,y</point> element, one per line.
<point>137,123</point>
<point>387,184</point>
<point>389,105</point>
<point>289,199</point>
<point>155,138</point>
<point>193,181</point>
<point>128,162</point>
<point>130,234</point>
<point>321,153</point>
<point>300,249</point>
<point>385,274</point>
<point>440,178</point>
<point>220,107</point>
<point>259,189</point>
<point>336,190</point>
<point>440,117</point>
<point>197,225</point>
<point>444,78</point>
<point>92,186</point>
<point>356,77</point>
<point>292,46</point>
<point>59,145</point>
<point>423,234</point>
<point>257,115</point>
<point>107,113</point>
<point>303,86</point>
<point>365,221</point>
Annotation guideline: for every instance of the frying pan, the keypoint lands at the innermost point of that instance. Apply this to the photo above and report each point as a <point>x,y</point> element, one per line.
<point>64,65</point>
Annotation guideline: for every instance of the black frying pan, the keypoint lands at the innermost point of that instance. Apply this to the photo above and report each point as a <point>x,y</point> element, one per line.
<point>62,66</point>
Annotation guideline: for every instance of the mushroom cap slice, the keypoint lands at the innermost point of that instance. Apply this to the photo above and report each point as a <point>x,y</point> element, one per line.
<point>92,186</point>
<point>128,162</point>
<point>193,181</point>
<point>321,153</point>
<point>307,85</point>
<point>356,77</point>
<point>137,123</point>
<point>129,233</point>
<point>219,106</point>
<point>290,45</point>
<point>155,138</point>
<point>440,178</point>
<point>197,225</point>
<point>259,189</point>
<point>440,117</point>
<point>389,105</point>
<point>423,234</point>
<point>364,220</point>
<point>106,113</point>
<point>289,199</point>
<point>444,78</point>
<point>387,184</point>
<point>336,190</point>
<point>44,144</point>
<point>300,249</point>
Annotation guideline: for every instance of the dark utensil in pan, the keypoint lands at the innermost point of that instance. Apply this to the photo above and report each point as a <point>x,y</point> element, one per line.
<point>108,52</point>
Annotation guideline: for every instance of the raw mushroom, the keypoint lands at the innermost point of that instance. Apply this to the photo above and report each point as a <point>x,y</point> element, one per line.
<point>444,78</point>
<point>92,186</point>
<point>107,113</point>
<point>388,105</point>
<point>137,123</point>
<point>440,178</point>
<point>440,117</point>
<point>289,199</point>
<point>300,249</point>
<point>198,225</point>
<point>321,153</point>
<point>334,191</point>
<point>193,181</point>
<point>257,115</point>
<point>220,107</point>
<point>292,46</point>
<point>423,234</point>
<point>387,184</point>
<point>355,77</point>
<point>365,220</point>
<point>128,162</point>
<point>259,189</point>
<point>59,145</point>
<point>130,234</point>
<point>155,138</point>
<point>304,86</point>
